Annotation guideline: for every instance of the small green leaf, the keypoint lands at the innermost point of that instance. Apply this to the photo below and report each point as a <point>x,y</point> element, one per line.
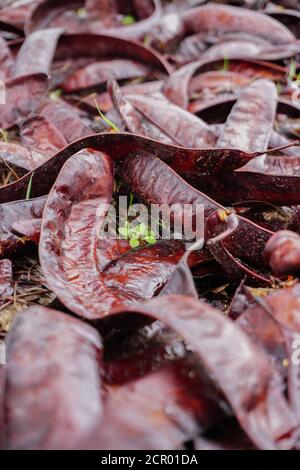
<point>131,197</point>
<point>147,39</point>
<point>128,20</point>
<point>279,88</point>
<point>131,231</point>
<point>54,95</point>
<point>134,243</point>
<point>141,229</point>
<point>123,231</point>
<point>81,13</point>
<point>150,240</point>
<point>226,63</point>
<point>105,119</point>
<point>28,192</point>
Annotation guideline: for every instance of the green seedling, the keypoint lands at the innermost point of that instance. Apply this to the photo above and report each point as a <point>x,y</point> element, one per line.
<point>111,124</point>
<point>29,187</point>
<point>128,20</point>
<point>226,64</point>
<point>81,13</point>
<point>136,234</point>
<point>55,95</point>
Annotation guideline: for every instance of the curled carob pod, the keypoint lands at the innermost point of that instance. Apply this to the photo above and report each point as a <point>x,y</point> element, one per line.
<point>23,95</point>
<point>243,373</point>
<point>160,119</point>
<point>273,323</point>
<point>6,60</point>
<point>51,395</point>
<point>104,100</point>
<point>37,52</point>
<point>176,373</point>
<point>98,73</point>
<point>75,209</point>
<point>179,86</point>
<point>41,135</point>
<point>185,161</point>
<point>101,16</point>
<point>62,116</point>
<point>20,156</point>
<point>270,178</point>
<point>282,252</point>
<point>290,18</point>
<point>149,13</point>
<point>227,19</point>
<point>11,213</point>
<point>154,182</point>
<point>182,127</point>
<point>91,47</point>
<point>70,249</point>
<point>140,274</point>
<point>228,235</point>
<point>241,130</point>
<point>161,409</point>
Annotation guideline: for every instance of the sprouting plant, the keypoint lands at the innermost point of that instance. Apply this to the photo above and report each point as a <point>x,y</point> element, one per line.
<point>28,191</point>
<point>81,13</point>
<point>117,184</point>
<point>128,20</point>
<point>136,234</point>
<point>147,39</point>
<point>4,135</point>
<point>111,124</point>
<point>279,88</point>
<point>55,95</point>
<point>131,198</point>
<point>226,64</point>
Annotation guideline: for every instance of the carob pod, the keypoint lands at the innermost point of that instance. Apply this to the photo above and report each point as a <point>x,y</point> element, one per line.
<point>282,252</point>
<point>250,122</point>
<point>227,19</point>
<point>253,395</point>
<point>51,393</point>
<point>23,95</point>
